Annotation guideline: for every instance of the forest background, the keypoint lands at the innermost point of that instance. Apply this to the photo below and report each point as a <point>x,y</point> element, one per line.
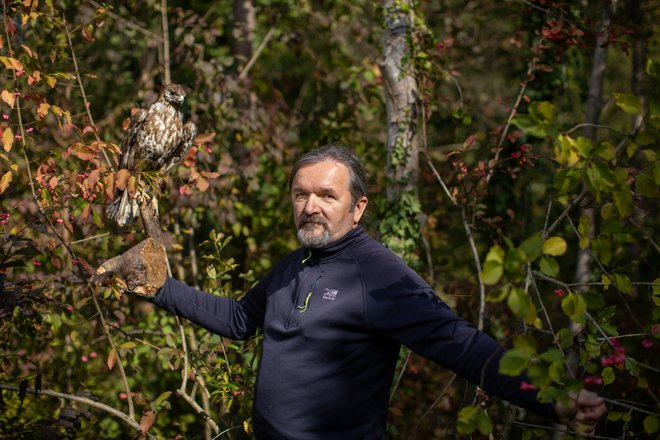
<point>512,152</point>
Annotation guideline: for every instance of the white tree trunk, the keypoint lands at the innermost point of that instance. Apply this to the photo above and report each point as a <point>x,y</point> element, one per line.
<point>402,100</point>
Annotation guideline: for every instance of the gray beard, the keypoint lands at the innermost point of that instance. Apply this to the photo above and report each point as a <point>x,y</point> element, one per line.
<point>311,240</point>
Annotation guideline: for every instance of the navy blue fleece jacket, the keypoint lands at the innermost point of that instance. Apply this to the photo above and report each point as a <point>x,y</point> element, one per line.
<point>333,321</point>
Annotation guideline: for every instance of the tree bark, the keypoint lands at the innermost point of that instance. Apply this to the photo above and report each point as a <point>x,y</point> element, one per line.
<point>243,32</point>
<point>402,101</point>
<point>594,107</point>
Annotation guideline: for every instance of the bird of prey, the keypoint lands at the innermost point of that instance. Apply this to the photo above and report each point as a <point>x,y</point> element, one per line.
<point>156,140</point>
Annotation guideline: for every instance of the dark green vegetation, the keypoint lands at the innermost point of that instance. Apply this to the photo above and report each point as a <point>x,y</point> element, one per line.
<point>532,209</point>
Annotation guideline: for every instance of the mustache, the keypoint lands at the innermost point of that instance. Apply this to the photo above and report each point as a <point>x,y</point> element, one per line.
<point>314,219</point>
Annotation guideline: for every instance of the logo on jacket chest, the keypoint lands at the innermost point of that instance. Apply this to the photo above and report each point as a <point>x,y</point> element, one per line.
<point>330,294</point>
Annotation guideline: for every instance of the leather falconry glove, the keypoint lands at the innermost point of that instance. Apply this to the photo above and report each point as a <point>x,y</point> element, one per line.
<point>141,270</point>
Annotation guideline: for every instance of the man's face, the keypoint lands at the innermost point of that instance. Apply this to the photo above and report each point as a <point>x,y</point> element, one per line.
<point>322,207</point>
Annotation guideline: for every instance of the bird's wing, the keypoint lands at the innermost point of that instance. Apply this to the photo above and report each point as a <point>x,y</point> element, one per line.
<point>187,137</point>
<point>127,159</point>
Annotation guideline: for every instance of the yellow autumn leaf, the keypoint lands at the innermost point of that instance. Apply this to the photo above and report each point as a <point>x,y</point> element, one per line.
<point>43,109</point>
<point>554,246</point>
<point>7,139</point>
<point>5,181</point>
<point>51,80</point>
<point>8,97</point>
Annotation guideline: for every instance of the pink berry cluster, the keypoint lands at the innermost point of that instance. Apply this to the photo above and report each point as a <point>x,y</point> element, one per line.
<point>618,356</point>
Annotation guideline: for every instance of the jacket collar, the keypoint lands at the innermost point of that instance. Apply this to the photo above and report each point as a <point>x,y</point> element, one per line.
<point>353,236</point>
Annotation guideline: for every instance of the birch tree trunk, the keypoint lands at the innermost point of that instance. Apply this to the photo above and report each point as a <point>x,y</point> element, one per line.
<point>400,226</point>
<point>594,107</point>
<point>402,101</point>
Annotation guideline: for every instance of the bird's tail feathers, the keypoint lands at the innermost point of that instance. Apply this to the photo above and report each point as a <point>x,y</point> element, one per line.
<point>123,210</point>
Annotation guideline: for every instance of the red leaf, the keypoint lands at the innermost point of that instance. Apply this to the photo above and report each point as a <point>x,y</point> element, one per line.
<point>469,141</point>
<point>147,421</point>
<point>122,178</point>
<point>112,358</point>
<point>93,179</point>
<point>202,184</point>
<point>203,138</point>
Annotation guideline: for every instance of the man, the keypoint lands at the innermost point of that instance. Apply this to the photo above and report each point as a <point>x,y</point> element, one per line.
<point>334,314</point>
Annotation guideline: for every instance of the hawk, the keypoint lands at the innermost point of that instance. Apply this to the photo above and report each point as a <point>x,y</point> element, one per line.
<point>156,140</point>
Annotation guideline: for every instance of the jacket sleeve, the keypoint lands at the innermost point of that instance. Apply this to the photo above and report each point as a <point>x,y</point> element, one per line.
<point>411,313</point>
<point>223,316</point>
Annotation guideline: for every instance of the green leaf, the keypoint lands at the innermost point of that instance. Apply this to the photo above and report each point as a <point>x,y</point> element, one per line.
<point>645,185</point>
<point>497,295</point>
<point>607,210</point>
<point>574,307</point>
<point>532,247</point>
<point>607,375</point>
<point>491,272</point>
<point>556,371</point>
<point>628,103</point>
<point>467,423</point>
<point>651,424</point>
<point>518,301</point>
<point>495,253</point>
<point>583,147</point>
<point>565,338</point>
<point>514,261</point>
<point>623,201</point>
<point>552,355</point>
<point>514,362</point>
<point>554,246</point>
<point>484,423</point>
<point>622,282</point>
<point>656,292</point>
<point>549,266</point>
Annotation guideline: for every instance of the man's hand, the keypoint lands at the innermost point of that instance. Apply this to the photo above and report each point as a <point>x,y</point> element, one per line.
<point>142,269</point>
<point>582,412</point>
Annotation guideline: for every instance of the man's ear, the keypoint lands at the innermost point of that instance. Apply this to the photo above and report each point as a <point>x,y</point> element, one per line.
<point>359,209</point>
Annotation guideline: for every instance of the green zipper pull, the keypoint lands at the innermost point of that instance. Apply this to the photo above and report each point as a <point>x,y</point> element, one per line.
<point>309,255</point>
<point>304,307</point>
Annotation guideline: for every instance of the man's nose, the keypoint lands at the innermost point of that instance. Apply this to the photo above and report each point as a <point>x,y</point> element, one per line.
<point>312,206</point>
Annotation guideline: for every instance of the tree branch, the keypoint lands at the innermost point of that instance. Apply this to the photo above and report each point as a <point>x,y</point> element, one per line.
<point>85,401</point>
<point>256,53</point>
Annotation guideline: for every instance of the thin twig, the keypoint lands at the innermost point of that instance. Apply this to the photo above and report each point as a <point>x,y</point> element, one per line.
<point>512,114</point>
<point>435,402</point>
<point>403,370</point>
<point>199,410</point>
<point>84,96</point>
<point>565,212</point>
<point>256,53</point>
<point>166,42</point>
<point>589,124</point>
<point>82,240</point>
<point>186,365</point>
<point>477,263</point>
<point>530,277</point>
<point>430,162</point>
<point>226,431</point>
<point>128,23</point>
